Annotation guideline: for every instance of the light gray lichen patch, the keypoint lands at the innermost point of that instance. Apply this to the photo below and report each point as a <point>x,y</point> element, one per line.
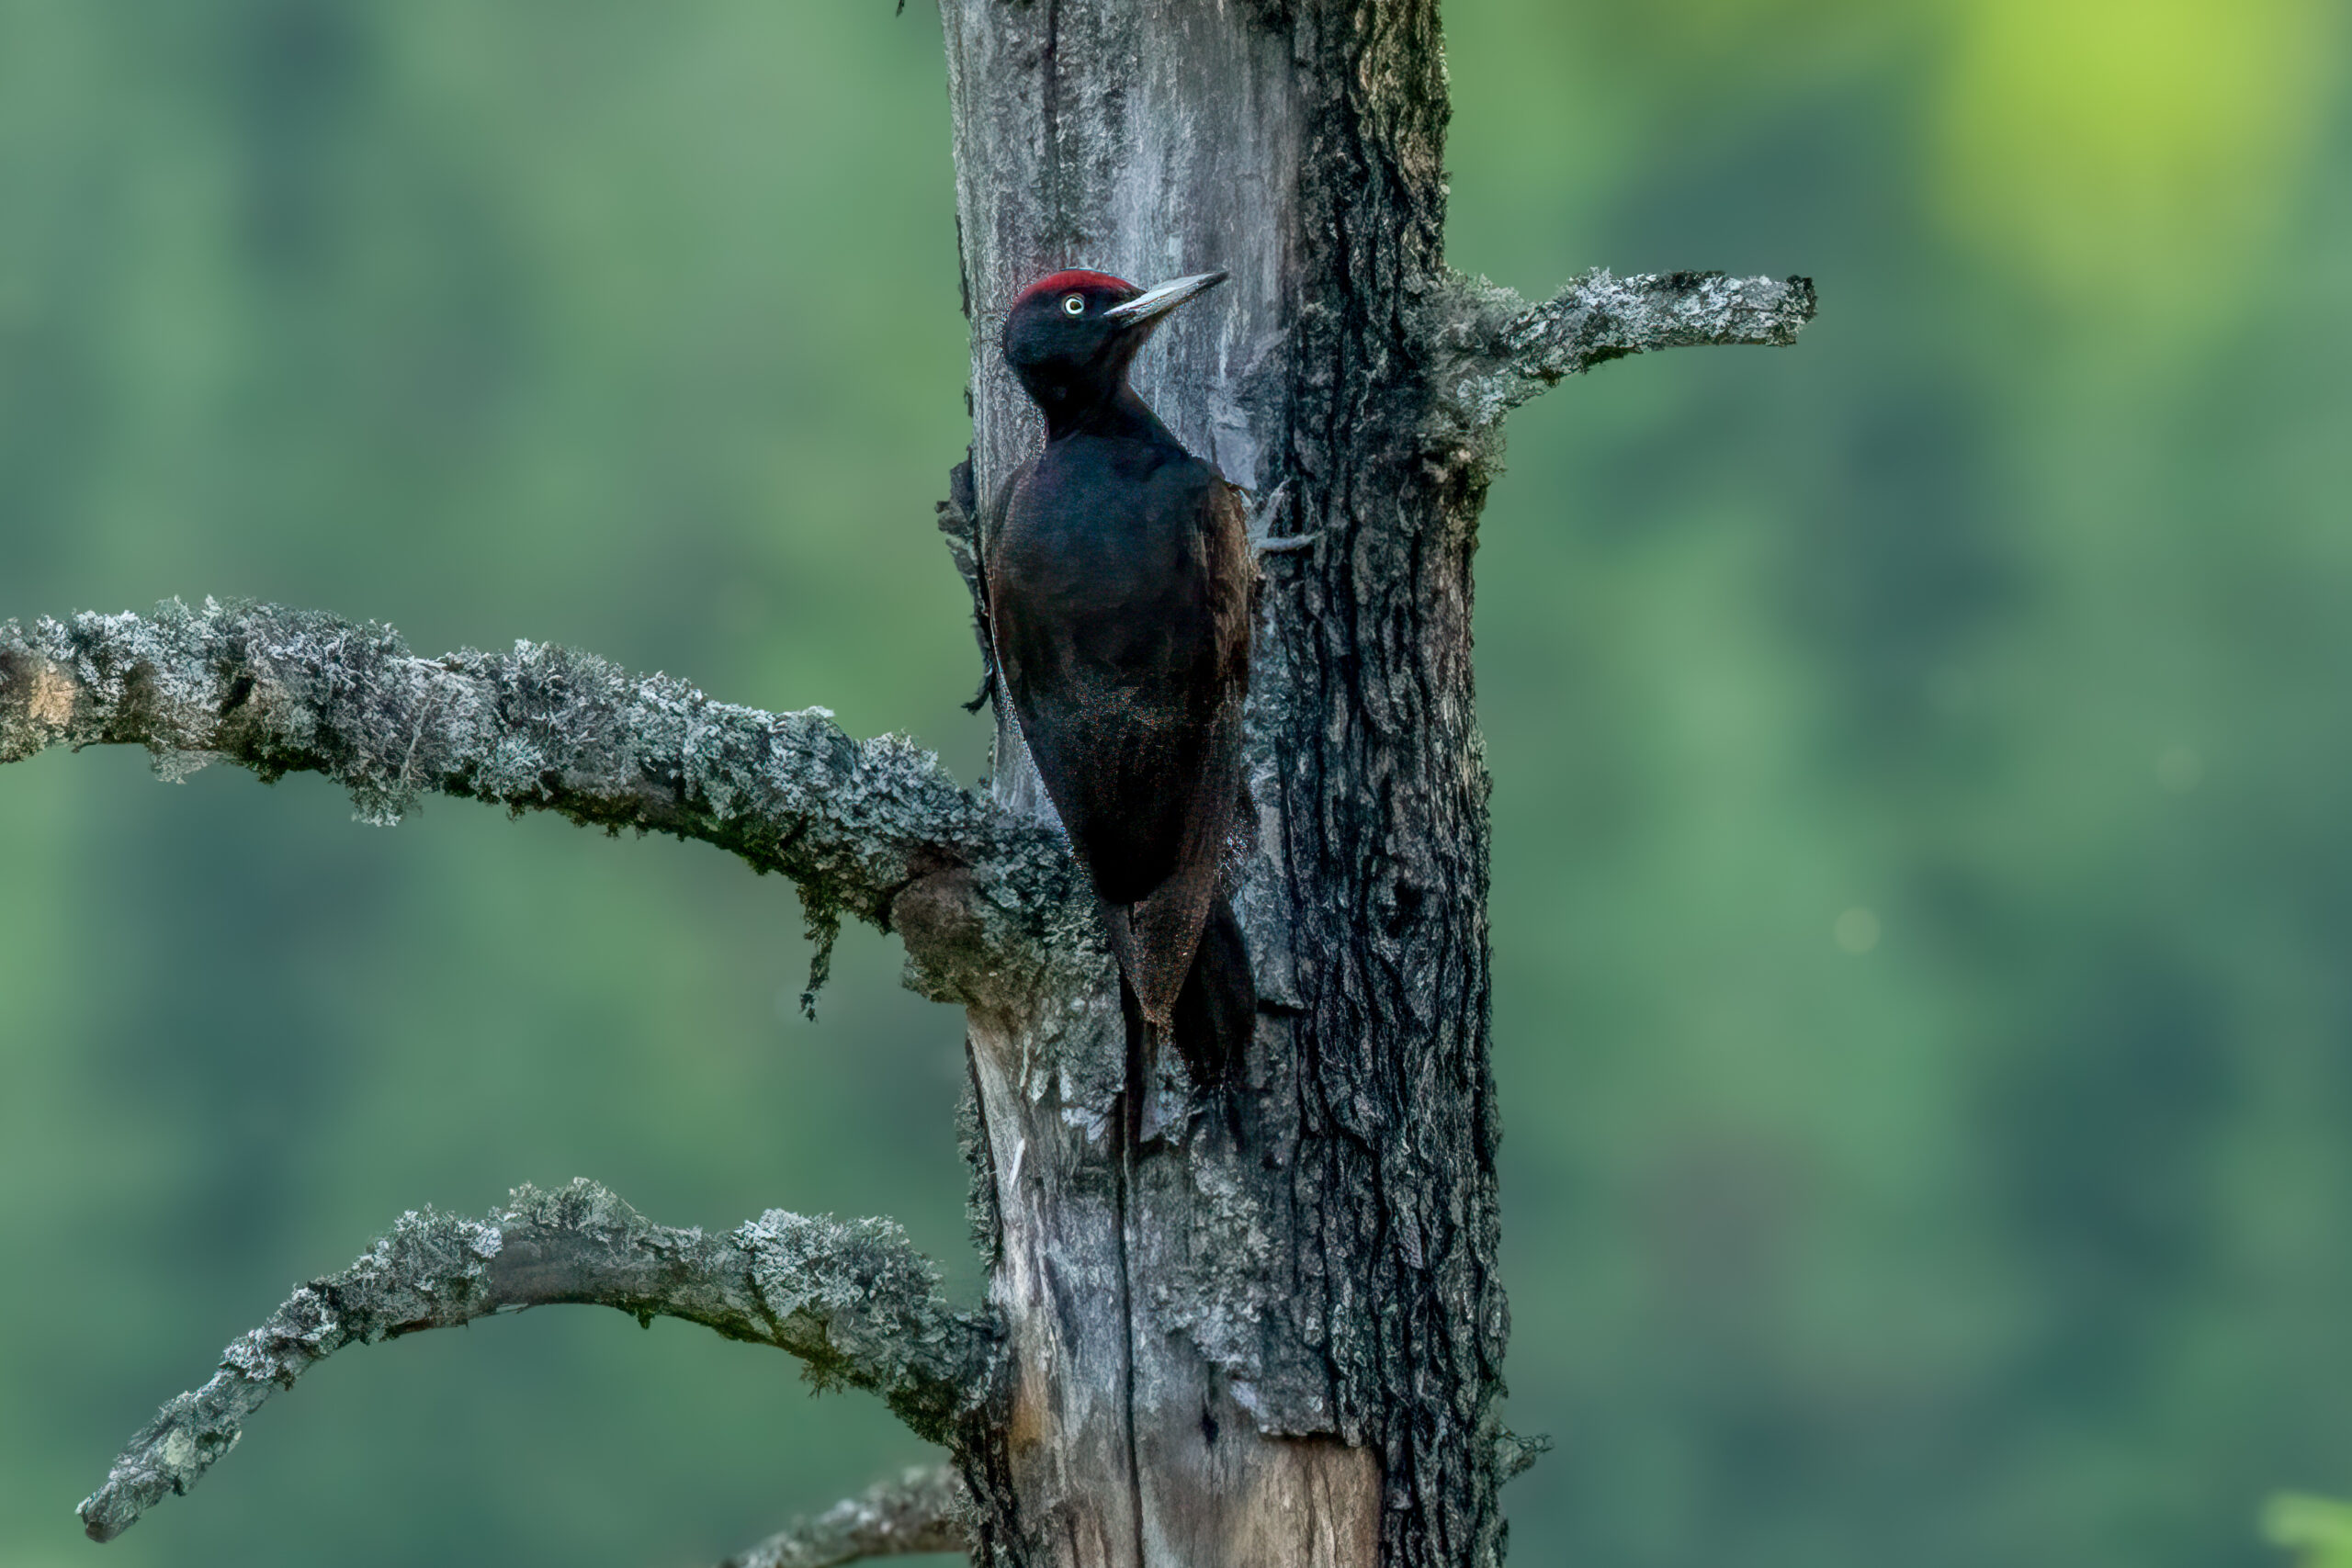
<point>821,1265</point>
<point>923,1510</point>
<point>429,1270</point>
<point>861,1306</point>
<point>853,824</point>
<point>1490,350</point>
<point>852,1298</point>
<point>1219,1288</point>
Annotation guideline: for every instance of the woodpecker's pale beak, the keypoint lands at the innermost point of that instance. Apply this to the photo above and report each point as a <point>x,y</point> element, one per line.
<point>1156,302</point>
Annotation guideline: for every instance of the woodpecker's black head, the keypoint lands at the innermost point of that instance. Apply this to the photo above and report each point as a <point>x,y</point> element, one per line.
<point>1069,337</point>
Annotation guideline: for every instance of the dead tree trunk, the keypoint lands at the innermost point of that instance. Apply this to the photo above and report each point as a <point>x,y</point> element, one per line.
<point>1283,1346</point>
<point>1274,1340</point>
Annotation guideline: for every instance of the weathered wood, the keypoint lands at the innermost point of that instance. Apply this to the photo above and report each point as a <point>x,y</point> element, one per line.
<point>1278,1339</point>
<point>1283,1348</point>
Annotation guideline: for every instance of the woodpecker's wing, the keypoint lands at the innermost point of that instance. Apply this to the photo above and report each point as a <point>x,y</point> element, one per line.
<point>1124,646</point>
<point>1162,927</point>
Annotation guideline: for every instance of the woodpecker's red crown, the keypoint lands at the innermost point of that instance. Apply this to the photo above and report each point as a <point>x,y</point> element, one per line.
<point>1078,280</point>
<point>1069,337</point>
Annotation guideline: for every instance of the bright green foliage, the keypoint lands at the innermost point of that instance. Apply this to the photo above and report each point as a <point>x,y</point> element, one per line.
<point>2318,1529</point>
<point>1923,881</point>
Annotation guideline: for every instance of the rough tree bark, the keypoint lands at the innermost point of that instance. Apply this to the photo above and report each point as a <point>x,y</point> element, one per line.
<point>1281,1343</point>
<point>1273,1338</point>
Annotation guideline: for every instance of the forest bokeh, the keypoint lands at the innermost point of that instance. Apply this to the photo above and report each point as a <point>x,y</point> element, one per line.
<point>1923,888</point>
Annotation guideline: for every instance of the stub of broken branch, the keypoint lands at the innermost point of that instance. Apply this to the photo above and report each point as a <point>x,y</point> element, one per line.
<point>1494,351</point>
<point>922,1511</point>
<point>857,825</point>
<point>852,1299</point>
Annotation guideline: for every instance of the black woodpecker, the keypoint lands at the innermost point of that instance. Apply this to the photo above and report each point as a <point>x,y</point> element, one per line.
<point>1119,595</point>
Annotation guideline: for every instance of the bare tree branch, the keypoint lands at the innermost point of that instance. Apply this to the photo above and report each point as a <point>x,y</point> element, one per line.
<point>854,824</point>
<point>1496,350</point>
<point>853,1299</point>
<point>922,1511</point>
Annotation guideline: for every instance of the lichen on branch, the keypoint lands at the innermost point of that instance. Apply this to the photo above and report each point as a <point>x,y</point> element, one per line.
<point>1492,351</point>
<point>856,823</point>
<point>852,1299</point>
<point>922,1511</point>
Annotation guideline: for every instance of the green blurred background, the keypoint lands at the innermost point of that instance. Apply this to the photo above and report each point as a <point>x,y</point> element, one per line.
<point>1923,888</point>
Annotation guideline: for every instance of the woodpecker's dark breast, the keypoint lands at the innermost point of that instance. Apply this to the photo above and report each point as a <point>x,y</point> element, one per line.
<point>1119,580</point>
<point>1119,590</point>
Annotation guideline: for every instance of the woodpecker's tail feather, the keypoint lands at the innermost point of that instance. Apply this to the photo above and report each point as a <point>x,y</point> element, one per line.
<point>1217,1011</point>
<point>1211,1019</point>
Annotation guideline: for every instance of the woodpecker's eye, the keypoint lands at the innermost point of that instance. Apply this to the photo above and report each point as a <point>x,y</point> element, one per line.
<point>1074,305</point>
